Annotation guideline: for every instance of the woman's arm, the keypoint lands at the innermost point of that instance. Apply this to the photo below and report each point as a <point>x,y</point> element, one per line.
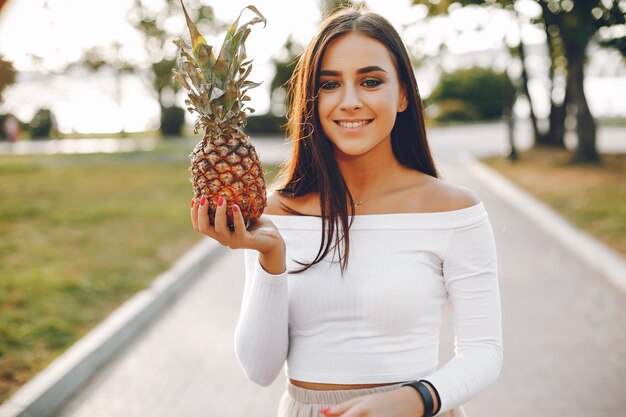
<point>261,335</point>
<point>471,279</point>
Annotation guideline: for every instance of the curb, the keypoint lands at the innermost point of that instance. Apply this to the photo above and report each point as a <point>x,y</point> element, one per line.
<point>590,250</point>
<point>49,390</point>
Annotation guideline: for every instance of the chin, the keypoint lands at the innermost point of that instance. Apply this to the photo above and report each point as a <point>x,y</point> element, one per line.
<point>351,151</point>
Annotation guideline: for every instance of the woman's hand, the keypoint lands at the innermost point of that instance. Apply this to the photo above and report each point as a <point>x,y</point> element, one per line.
<point>401,402</point>
<point>263,236</point>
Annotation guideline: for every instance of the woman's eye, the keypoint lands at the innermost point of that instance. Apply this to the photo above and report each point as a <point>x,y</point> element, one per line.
<point>372,83</point>
<point>329,85</point>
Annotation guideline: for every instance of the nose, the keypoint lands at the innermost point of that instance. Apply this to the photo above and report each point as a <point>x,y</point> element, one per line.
<point>350,99</point>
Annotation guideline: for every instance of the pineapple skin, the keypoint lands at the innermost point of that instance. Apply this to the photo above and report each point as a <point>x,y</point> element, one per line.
<point>228,166</point>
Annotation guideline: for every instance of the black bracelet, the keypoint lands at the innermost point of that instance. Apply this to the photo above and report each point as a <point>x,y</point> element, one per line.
<point>423,381</point>
<point>426,396</point>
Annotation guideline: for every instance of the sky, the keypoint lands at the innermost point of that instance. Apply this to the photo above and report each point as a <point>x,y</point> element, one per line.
<point>40,36</point>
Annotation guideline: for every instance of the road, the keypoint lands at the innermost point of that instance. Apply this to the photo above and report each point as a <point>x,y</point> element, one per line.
<point>563,325</point>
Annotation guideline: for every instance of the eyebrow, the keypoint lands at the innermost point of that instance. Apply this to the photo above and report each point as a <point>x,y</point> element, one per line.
<point>364,70</point>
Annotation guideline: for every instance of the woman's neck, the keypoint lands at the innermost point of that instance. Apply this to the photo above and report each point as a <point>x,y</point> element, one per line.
<point>371,175</point>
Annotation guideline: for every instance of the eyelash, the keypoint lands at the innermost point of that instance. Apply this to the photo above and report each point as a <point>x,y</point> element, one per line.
<point>326,84</point>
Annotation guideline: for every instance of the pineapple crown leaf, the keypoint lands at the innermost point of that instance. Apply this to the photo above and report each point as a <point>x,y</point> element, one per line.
<point>202,51</point>
<point>233,51</point>
<point>216,86</point>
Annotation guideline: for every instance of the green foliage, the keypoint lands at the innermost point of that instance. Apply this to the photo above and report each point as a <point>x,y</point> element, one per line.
<point>7,75</point>
<point>43,124</point>
<point>476,93</point>
<point>453,110</point>
<point>172,120</point>
<point>265,123</point>
<point>284,68</point>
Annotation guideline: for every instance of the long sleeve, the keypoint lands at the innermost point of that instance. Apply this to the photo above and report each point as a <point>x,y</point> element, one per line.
<point>471,280</point>
<point>261,335</point>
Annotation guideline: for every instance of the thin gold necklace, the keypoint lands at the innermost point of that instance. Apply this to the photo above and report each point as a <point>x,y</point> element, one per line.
<point>357,203</point>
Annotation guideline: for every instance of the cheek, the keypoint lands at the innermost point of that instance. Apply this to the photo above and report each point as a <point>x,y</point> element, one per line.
<point>324,111</point>
<point>324,106</point>
<point>384,102</point>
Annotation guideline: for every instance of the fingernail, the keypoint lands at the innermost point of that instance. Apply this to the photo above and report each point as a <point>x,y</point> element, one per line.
<point>193,203</point>
<point>220,201</point>
<point>324,410</point>
<point>202,201</point>
<point>235,209</point>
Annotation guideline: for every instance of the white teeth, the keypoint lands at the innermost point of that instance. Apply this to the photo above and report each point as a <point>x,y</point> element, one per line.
<point>352,125</point>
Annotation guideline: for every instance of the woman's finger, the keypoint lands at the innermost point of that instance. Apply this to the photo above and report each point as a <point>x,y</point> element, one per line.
<point>342,408</point>
<point>204,224</point>
<point>239,223</point>
<point>221,227</point>
<point>194,214</point>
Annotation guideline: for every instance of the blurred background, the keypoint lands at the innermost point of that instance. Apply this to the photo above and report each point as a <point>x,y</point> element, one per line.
<point>105,67</point>
<point>94,137</point>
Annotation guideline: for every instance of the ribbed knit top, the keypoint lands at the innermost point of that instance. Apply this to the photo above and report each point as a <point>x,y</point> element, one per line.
<point>380,321</point>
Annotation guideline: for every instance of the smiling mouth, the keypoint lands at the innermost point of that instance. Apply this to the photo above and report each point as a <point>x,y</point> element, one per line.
<point>354,124</point>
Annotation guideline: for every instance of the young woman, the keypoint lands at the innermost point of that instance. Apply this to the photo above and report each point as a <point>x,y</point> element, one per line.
<point>362,247</point>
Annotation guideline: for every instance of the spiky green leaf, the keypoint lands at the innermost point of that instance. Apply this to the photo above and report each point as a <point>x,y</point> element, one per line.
<point>217,86</point>
<point>198,43</point>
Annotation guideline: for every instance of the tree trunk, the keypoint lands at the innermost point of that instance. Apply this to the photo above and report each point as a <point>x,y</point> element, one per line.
<point>586,152</point>
<point>555,137</point>
<point>533,117</point>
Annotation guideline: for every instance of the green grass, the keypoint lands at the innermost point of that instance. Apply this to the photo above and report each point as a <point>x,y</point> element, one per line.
<point>591,197</point>
<point>80,235</point>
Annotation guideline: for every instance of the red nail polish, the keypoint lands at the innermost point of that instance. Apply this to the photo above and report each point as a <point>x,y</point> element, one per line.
<point>324,410</point>
<point>220,201</point>
<point>235,209</point>
<point>202,201</point>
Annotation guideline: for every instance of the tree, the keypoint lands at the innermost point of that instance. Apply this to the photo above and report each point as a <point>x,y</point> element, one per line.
<point>284,67</point>
<point>571,25</point>
<point>7,75</point>
<point>473,94</point>
<point>152,20</point>
<point>99,57</point>
<point>577,24</point>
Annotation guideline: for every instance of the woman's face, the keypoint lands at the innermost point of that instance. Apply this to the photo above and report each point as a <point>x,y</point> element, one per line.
<point>359,94</point>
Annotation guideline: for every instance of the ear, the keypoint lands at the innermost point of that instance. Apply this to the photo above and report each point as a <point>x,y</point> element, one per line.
<point>403,101</point>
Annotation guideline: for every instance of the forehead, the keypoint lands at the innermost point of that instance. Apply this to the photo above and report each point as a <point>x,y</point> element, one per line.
<point>353,51</point>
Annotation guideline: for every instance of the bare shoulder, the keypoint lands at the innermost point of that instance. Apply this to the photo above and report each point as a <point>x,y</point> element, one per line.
<point>448,196</point>
<point>281,205</point>
<point>275,204</point>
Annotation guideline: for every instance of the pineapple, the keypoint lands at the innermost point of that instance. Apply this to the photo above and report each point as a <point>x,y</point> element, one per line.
<point>224,163</point>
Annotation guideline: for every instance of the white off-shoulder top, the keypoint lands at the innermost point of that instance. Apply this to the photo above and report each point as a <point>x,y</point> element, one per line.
<point>380,321</point>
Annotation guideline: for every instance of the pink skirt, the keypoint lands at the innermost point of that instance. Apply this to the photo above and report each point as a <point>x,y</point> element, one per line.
<point>302,402</point>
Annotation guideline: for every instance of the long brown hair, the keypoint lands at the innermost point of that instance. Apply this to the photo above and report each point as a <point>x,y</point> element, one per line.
<point>312,166</point>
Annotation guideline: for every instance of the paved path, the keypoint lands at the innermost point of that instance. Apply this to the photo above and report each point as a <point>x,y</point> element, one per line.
<point>563,325</point>
<point>564,340</point>
<point>184,364</point>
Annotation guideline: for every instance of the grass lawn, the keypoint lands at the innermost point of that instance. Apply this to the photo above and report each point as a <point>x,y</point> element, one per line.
<point>80,235</point>
<point>591,197</point>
